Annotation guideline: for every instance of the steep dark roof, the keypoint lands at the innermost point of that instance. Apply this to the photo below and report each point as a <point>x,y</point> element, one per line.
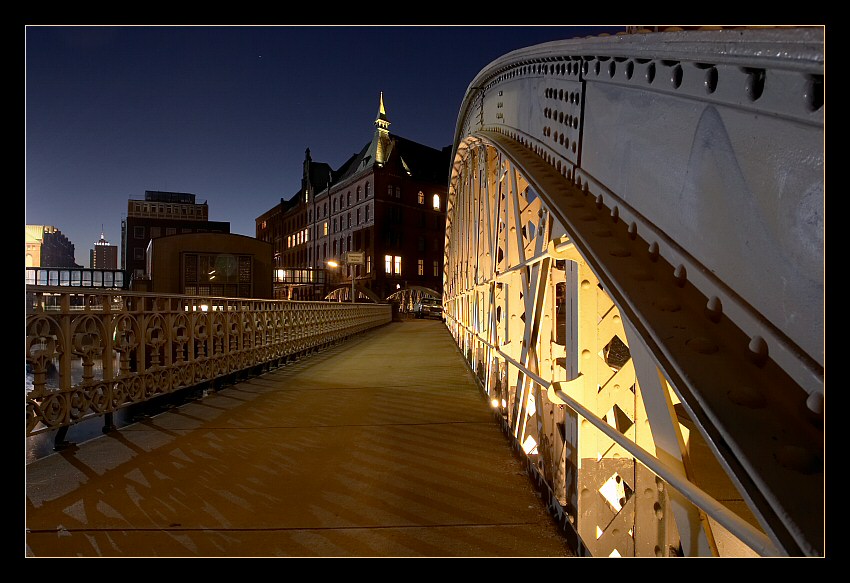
<point>424,162</point>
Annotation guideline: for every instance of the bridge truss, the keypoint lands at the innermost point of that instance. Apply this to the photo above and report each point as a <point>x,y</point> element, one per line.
<point>634,271</point>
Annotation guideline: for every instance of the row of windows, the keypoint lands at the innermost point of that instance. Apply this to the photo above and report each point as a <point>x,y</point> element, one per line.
<point>345,200</point>
<point>392,266</point>
<point>139,231</point>
<point>194,211</point>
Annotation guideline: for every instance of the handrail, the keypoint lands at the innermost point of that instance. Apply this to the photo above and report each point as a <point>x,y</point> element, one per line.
<point>92,352</point>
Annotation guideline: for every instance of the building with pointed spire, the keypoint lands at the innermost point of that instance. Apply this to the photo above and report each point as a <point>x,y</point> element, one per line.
<point>104,255</point>
<point>386,204</point>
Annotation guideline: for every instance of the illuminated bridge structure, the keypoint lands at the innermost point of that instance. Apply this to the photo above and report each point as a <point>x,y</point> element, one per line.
<point>634,270</point>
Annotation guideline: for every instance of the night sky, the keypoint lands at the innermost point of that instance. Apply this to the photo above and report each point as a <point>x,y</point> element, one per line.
<point>226,113</point>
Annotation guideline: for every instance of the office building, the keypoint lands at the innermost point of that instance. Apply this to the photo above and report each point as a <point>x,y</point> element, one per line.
<point>161,214</point>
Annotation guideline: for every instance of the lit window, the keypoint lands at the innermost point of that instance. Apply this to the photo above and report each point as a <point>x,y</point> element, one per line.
<point>368,264</point>
<point>436,268</point>
<point>325,228</point>
<point>388,263</point>
<point>397,265</point>
<point>421,267</point>
<point>421,197</point>
<point>437,202</point>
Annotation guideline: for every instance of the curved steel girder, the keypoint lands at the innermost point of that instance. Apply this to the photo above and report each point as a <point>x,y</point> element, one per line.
<point>751,413</point>
<point>711,139</point>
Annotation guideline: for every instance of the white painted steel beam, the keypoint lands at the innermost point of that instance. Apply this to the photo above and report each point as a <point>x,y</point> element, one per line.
<point>682,173</point>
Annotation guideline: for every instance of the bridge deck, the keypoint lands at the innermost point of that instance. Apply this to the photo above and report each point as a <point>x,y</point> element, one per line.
<point>382,446</point>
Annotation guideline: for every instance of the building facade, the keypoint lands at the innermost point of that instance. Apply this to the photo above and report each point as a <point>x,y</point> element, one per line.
<point>160,214</point>
<point>104,255</point>
<point>386,204</point>
<point>210,264</point>
<point>46,246</point>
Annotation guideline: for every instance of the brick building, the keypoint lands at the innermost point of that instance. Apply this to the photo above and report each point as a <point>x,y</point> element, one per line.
<point>387,202</point>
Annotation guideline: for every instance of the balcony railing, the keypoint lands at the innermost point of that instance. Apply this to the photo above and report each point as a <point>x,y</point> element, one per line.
<point>90,353</point>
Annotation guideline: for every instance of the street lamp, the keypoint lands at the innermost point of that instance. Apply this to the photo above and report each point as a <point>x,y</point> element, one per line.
<point>334,265</point>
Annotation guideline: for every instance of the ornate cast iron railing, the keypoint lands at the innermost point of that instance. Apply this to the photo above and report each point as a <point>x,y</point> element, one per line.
<point>634,271</point>
<point>90,353</point>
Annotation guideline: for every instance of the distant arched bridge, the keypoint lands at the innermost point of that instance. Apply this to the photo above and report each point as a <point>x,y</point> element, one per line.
<point>634,269</point>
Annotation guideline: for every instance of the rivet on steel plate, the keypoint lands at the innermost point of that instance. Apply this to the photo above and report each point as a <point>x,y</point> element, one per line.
<point>680,274</point>
<point>758,350</point>
<point>654,252</point>
<point>714,309</point>
<point>815,402</point>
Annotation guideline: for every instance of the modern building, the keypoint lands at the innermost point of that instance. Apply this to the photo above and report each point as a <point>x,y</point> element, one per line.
<point>161,214</point>
<point>386,205</point>
<point>46,246</point>
<point>209,264</point>
<point>104,255</point>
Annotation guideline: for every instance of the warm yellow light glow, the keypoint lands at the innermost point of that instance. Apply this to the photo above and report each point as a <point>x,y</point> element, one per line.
<point>333,264</point>
<point>504,403</point>
<point>494,403</point>
<point>529,445</point>
<point>204,307</point>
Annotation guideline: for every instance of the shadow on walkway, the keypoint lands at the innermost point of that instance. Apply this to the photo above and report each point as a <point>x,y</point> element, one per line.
<point>382,446</point>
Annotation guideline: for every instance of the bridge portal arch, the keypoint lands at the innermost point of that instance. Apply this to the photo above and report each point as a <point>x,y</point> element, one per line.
<point>633,271</point>
<point>342,293</point>
<point>408,297</point>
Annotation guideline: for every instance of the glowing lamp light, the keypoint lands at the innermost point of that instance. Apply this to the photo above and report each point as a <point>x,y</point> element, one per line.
<point>494,403</point>
<point>333,264</point>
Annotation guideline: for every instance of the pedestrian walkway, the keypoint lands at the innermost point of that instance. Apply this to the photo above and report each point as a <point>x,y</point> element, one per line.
<point>382,446</point>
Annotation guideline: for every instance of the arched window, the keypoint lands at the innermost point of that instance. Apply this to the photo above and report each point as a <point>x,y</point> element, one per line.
<point>367,189</point>
<point>349,198</point>
<point>358,193</point>
<point>421,197</point>
<point>436,202</point>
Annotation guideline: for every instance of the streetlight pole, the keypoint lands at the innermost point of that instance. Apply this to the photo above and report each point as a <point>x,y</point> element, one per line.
<point>340,264</point>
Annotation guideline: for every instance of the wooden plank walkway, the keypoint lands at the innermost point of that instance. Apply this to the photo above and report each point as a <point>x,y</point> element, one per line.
<point>382,446</point>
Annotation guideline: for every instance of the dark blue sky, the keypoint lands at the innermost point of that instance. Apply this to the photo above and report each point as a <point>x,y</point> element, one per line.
<point>226,112</point>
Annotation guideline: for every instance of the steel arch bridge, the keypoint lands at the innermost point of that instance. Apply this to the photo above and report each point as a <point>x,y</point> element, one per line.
<point>634,271</point>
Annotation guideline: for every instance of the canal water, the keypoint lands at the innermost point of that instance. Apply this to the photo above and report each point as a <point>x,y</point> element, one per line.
<point>42,444</point>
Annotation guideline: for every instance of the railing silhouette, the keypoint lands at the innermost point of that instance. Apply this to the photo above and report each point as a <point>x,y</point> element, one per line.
<point>77,277</point>
<point>91,353</point>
